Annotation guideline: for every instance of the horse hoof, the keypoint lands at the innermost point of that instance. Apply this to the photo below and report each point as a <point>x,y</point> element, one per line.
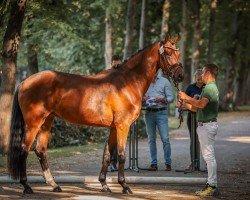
<point>28,190</point>
<point>106,190</point>
<point>57,189</point>
<point>127,191</point>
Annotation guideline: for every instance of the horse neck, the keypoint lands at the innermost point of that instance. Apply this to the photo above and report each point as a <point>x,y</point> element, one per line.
<point>143,67</point>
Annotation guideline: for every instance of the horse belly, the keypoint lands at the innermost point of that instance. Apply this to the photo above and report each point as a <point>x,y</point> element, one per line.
<point>91,115</point>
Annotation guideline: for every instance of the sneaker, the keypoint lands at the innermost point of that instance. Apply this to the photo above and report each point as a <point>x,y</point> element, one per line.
<point>208,191</point>
<point>168,167</point>
<point>153,167</point>
<point>113,167</point>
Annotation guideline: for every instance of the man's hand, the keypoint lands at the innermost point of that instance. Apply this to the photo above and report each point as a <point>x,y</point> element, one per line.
<point>179,103</point>
<point>160,100</point>
<point>183,95</point>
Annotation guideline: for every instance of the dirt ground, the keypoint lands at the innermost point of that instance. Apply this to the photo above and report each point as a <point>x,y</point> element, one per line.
<point>232,154</point>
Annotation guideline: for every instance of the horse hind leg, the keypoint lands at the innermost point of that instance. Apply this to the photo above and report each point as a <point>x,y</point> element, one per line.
<point>29,138</point>
<point>43,139</point>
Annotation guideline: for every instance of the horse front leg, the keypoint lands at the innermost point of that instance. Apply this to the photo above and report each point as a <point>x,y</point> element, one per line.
<point>109,146</point>
<point>122,134</point>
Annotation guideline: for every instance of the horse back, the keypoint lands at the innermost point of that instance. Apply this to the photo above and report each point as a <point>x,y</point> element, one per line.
<point>91,100</point>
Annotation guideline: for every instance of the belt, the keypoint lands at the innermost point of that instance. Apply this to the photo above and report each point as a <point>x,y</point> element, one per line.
<point>200,123</point>
<point>155,109</point>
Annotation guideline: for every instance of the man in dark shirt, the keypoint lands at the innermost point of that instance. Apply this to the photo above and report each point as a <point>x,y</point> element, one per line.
<point>193,90</point>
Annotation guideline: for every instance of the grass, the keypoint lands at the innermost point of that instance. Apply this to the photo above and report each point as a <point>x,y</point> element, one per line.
<point>56,153</point>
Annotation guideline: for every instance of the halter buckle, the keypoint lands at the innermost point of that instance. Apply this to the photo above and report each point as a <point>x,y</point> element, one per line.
<point>161,50</point>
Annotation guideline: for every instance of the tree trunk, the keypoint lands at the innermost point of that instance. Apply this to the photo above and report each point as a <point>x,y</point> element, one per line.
<point>32,59</point>
<point>243,94</point>
<point>183,41</point>
<point>165,18</point>
<point>108,38</point>
<point>142,24</point>
<point>9,56</point>
<point>194,7</point>
<point>32,48</point>
<point>213,7</point>
<point>232,70</point>
<point>129,28</point>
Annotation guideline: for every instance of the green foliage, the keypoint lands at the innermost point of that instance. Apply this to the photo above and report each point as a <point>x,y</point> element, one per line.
<point>70,35</point>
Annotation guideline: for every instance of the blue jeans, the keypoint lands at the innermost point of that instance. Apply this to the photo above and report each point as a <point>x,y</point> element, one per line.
<point>160,120</point>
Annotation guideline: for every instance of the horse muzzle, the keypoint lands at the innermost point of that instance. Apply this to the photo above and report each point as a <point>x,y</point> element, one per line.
<point>178,74</point>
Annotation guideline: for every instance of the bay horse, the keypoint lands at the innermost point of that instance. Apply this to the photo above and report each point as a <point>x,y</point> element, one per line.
<point>108,99</point>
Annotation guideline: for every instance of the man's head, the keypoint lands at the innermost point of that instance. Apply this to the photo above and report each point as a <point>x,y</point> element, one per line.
<point>197,77</point>
<point>209,72</point>
<point>115,61</point>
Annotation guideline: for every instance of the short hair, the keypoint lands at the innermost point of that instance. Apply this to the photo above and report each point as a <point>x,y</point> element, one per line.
<point>198,72</point>
<point>115,57</point>
<point>212,68</point>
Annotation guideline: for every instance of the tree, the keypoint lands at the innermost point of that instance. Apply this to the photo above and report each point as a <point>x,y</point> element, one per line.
<point>233,62</point>
<point>183,41</point>
<point>32,59</point>
<point>32,48</point>
<point>213,7</point>
<point>142,24</point>
<point>9,56</point>
<point>243,79</point>
<point>129,28</point>
<point>165,18</point>
<point>108,37</point>
<point>194,8</point>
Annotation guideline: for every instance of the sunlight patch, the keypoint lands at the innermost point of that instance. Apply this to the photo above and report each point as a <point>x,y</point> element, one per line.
<point>241,139</point>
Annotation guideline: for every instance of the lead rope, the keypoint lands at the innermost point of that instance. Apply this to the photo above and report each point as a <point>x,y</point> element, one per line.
<point>180,110</point>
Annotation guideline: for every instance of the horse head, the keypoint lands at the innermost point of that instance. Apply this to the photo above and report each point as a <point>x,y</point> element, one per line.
<point>169,59</point>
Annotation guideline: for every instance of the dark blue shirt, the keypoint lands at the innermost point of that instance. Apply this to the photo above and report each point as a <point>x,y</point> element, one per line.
<point>192,90</point>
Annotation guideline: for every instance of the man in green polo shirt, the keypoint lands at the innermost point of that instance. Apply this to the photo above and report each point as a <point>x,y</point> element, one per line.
<point>207,111</point>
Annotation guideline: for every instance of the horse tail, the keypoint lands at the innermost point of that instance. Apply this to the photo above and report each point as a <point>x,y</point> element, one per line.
<point>16,137</point>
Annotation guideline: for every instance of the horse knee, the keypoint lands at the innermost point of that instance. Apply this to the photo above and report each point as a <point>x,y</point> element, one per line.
<point>106,158</point>
<point>121,159</point>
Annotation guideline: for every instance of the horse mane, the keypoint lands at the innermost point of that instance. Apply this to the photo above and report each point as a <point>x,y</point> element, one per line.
<point>122,66</point>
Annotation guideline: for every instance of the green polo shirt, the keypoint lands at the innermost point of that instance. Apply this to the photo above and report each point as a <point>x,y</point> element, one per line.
<point>210,112</point>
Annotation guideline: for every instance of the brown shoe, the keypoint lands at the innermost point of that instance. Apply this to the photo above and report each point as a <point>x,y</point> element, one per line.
<point>168,167</point>
<point>153,167</point>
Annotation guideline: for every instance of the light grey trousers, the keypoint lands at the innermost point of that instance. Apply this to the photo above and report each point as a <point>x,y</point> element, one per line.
<point>206,133</point>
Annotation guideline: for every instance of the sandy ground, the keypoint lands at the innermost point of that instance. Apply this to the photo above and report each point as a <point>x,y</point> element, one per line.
<point>232,153</point>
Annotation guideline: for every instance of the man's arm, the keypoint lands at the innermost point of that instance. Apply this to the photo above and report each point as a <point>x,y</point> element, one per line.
<point>202,103</point>
<point>187,106</point>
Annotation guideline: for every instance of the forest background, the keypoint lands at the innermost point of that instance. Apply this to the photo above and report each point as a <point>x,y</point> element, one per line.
<point>80,36</point>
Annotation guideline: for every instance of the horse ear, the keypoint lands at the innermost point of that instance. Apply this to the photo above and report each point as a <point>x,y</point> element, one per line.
<point>167,38</point>
<point>176,38</point>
